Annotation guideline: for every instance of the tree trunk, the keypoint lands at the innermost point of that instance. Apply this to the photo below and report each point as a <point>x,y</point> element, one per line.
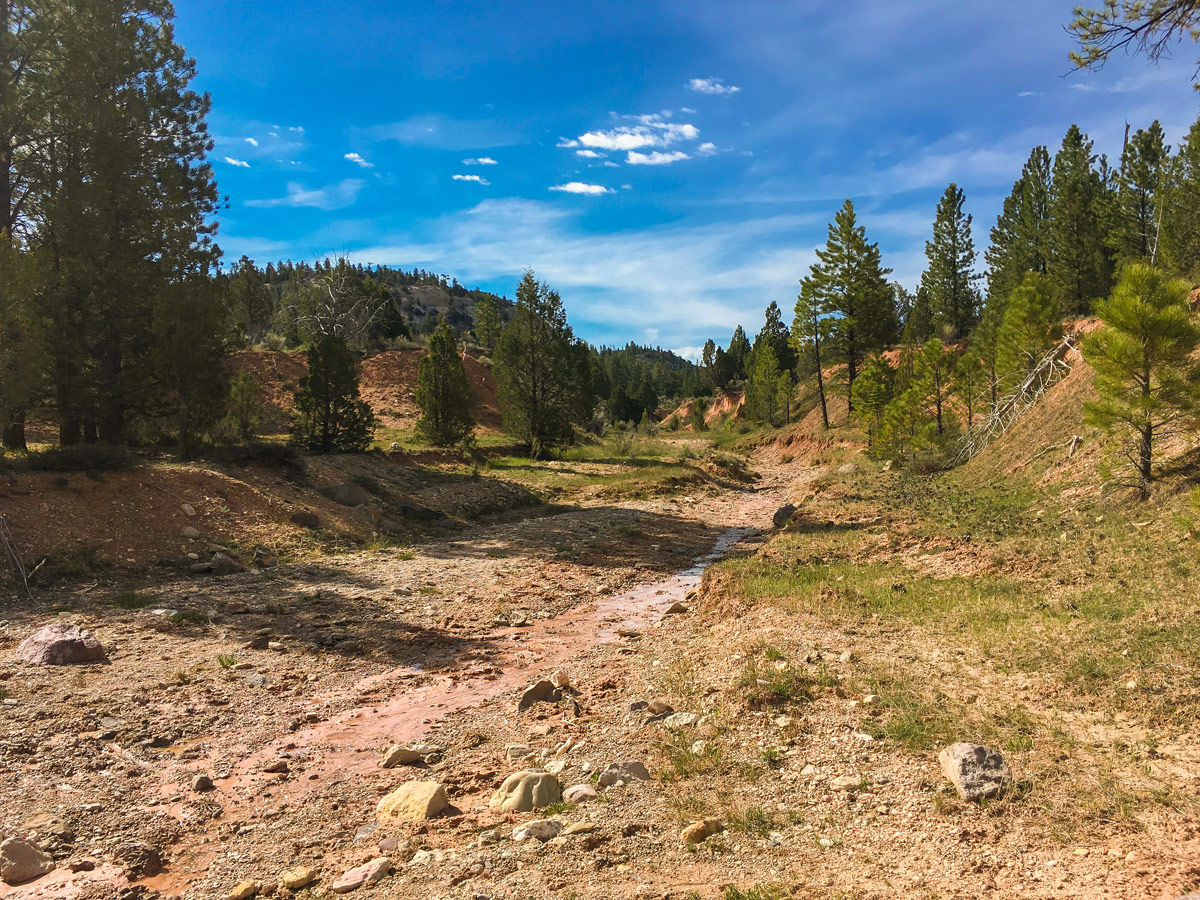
<point>14,432</point>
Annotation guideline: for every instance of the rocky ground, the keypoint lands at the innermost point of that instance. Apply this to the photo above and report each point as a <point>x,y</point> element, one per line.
<point>233,744</point>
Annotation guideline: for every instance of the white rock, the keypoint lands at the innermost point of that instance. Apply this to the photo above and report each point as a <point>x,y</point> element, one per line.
<point>539,829</point>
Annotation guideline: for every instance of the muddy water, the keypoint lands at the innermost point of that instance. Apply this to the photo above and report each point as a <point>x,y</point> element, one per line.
<point>348,745</point>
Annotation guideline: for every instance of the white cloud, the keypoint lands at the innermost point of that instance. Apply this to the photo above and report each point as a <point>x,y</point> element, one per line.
<point>274,134</point>
<point>567,142</point>
<point>252,142</point>
<point>650,131</point>
<point>480,161</point>
<point>296,129</point>
<point>578,187</point>
<point>589,154</point>
<point>708,148</point>
<point>656,158</point>
<point>712,86</point>
<point>687,110</point>
<point>611,164</point>
<point>478,179</point>
<point>1030,94</point>
<point>358,160</point>
<point>333,196</point>
<point>240,163</point>
<point>691,353</point>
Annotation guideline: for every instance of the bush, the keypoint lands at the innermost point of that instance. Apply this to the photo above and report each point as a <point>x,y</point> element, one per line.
<point>81,458</point>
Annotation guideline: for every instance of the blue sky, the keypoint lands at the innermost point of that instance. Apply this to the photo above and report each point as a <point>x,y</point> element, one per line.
<point>669,167</point>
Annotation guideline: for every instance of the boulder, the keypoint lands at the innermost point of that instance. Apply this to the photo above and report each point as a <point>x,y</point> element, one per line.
<point>543,691</point>
<point>140,859</point>
<point>368,873</point>
<point>201,784</point>
<point>346,494</point>
<point>305,519</point>
<point>297,877</point>
<point>580,793</point>
<point>977,773</point>
<point>60,645</point>
<point>525,792</point>
<point>627,771</point>
<point>539,829</point>
<point>699,832</point>
<point>413,801</point>
<point>399,756</point>
<point>21,861</point>
<point>783,515</point>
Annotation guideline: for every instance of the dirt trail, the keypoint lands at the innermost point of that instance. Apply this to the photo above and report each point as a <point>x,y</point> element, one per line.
<point>337,733</point>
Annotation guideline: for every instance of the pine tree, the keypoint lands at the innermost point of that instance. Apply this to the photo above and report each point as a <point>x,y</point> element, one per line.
<point>249,302</point>
<point>1134,229</point>
<point>777,335</point>
<point>738,355</point>
<point>542,372</point>
<point>1145,377</point>
<point>762,388</point>
<point>330,415</point>
<point>1031,325</point>
<point>1020,239</point>
<point>849,288</point>
<point>1080,268</point>
<point>971,383</point>
<point>872,394</point>
<point>244,415</point>
<point>810,331</point>
<point>23,358</point>
<point>918,327</point>
<point>950,277</point>
<point>937,362</point>
<point>487,324</point>
<point>443,394</point>
<point>1179,245</point>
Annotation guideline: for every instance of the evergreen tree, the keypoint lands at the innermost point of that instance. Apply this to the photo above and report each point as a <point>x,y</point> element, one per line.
<point>918,327</point>
<point>810,331</point>
<point>648,399</point>
<point>971,383</point>
<point>1179,245</point>
<point>442,394</point>
<point>244,415</point>
<point>22,348</point>
<point>249,302</point>
<point>775,333</point>
<point>1145,377</point>
<point>937,363</point>
<point>1079,268</point>
<point>762,388</point>
<point>541,372</point>
<point>950,277</point>
<point>330,415</point>
<point>1134,229</point>
<point>487,324</point>
<point>1020,239</point>
<point>906,426</point>
<point>872,394</point>
<point>696,418</point>
<point>738,355</point>
<point>1031,325</point>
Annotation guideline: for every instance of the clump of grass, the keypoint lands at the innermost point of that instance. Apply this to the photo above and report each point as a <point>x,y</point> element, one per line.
<point>758,892</point>
<point>131,600</point>
<point>189,617</point>
<point>765,687</point>
<point>182,677</point>
<point>752,820</point>
<point>226,660</point>
<point>688,757</point>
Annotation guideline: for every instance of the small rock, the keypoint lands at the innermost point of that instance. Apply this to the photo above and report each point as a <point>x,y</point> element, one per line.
<point>347,494</point>
<point>190,533</point>
<point>488,837</point>
<point>305,519</point>
<point>413,801</point>
<point>202,783</point>
<point>539,829</point>
<point>580,793</point>
<point>223,564</point>
<point>845,783</point>
<point>976,772</point>
<point>541,692</point>
<point>265,558</point>
<point>517,751</point>
<point>525,792</point>
<point>244,890</point>
<point>59,645</point>
<point>676,609</point>
<point>784,515</point>
<point>22,861</point>
<point>626,771</point>
<point>139,858</point>
<point>659,708</point>
<point>188,510</point>
<point>399,756</point>
<point>580,828</point>
<point>680,720</point>
<point>295,878</point>
<point>560,679</point>
<point>699,832</point>
<point>368,873</point>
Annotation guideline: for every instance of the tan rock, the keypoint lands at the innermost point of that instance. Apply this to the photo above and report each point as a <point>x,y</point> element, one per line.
<point>399,756</point>
<point>297,877</point>
<point>525,792</point>
<point>244,890</point>
<point>413,801</point>
<point>699,832</point>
